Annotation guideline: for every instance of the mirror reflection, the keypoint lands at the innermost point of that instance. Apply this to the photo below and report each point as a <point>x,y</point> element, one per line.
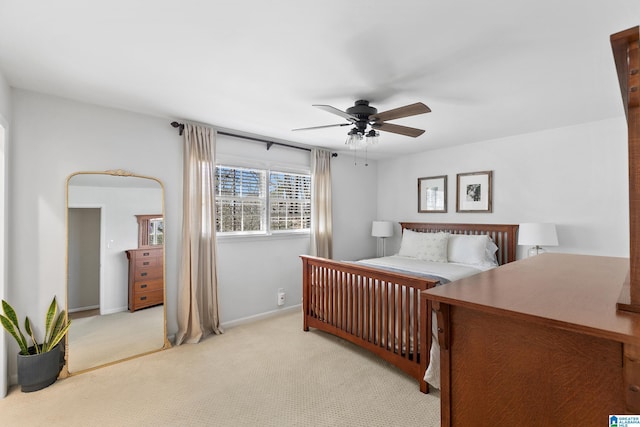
<point>115,281</point>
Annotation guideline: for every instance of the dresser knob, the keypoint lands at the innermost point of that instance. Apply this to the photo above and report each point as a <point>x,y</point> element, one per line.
<point>143,286</point>
<point>143,274</point>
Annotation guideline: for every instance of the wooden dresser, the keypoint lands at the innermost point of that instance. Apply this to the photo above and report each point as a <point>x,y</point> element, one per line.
<point>537,342</point>
<point>146,284</point>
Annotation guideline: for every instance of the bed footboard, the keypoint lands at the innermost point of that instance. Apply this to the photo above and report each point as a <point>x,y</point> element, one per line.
<point>375,309</point>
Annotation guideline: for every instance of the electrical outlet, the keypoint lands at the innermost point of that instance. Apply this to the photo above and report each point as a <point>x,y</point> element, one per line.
<point>281,296</point>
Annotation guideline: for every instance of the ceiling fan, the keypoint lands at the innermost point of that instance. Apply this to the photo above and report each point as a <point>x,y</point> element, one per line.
<point>362,115</point>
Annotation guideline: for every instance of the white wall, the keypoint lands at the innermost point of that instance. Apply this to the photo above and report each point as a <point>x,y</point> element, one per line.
<point>575,177</point>
<point>354,207</point>
<point>5,116</point>
<point>53,138</point>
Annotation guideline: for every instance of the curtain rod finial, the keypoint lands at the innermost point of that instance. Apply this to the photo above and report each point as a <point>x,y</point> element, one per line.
<point>178,125</point>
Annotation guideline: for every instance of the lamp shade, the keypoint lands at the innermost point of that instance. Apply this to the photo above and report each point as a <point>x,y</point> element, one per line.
<point>537,234</point>
<point>382,229</point>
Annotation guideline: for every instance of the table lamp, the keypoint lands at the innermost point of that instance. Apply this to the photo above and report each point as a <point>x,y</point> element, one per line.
<point>382,230</point>
<point>537,235</point>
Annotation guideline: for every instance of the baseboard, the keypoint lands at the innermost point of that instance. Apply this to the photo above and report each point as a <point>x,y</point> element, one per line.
<point>115,310</point>
<point>94,307</point>
<point>171,338</point>
<point>89,307</point>
<point>261,316</point>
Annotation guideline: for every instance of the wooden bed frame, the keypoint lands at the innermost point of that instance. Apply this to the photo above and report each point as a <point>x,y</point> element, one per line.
<point>357,303</point>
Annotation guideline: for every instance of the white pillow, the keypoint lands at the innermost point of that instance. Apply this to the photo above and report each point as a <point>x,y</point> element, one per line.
<point>410,244</point>
<point>472,249</point>
<point>490,254</point>
<point>424,246</point>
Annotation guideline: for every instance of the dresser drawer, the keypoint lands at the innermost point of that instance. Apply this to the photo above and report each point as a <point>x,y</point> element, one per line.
<point>147,253</point>
<point>146,299</point>
<point>147,273</point>
<point>147,286</point>
<point>146,262</point>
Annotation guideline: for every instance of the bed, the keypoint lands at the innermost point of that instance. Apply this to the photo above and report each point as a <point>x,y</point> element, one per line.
<point>375,304</point>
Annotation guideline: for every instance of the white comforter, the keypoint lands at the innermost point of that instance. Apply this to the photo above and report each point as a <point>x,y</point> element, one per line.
<point>447,270</point>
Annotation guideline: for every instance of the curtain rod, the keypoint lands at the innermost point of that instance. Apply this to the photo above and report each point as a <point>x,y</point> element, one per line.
<point>180,127</point>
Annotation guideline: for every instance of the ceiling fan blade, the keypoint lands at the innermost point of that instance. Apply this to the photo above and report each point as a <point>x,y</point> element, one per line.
<point>402,130</point>
<point>324,126</point>
<point>334,110</point>
<point>397,113</point>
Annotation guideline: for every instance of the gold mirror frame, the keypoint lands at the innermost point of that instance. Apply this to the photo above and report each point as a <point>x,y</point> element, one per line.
<point>166,343</point>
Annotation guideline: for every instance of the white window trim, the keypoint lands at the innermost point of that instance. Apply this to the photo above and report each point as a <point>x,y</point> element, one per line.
<point>268,233</point>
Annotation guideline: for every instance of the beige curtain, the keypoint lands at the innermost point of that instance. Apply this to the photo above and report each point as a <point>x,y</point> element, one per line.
<point>321,211</point>
<point>198,288</point>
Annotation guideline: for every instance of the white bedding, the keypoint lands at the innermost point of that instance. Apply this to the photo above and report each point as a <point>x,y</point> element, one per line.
<point>447,270</point>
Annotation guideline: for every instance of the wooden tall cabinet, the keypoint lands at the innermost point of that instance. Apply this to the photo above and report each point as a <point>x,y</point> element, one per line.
<point>626,53</point>
<point>146,280</point>
<point>536,342</point>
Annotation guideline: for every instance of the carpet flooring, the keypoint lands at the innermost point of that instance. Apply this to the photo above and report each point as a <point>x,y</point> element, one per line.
<point>265,373</point>
<point>98,340</point>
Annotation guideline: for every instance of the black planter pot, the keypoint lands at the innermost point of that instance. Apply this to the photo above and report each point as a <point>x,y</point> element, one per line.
<point>37,371</point>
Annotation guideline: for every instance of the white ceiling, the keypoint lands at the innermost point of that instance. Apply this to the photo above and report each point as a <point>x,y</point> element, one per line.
<point>487,69</point>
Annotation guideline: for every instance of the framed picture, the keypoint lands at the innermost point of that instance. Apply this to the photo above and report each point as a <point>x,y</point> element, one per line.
<point>432,194</point>
<point>474,192</point>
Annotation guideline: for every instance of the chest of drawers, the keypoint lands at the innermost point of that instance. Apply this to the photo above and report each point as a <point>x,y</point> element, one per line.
<point>539,341</point>
<point>146,281</point>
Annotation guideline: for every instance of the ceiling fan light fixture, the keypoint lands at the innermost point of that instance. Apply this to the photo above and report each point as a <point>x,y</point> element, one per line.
<point>359,139</point>
<point>354,138</point>
<point>372,137</point>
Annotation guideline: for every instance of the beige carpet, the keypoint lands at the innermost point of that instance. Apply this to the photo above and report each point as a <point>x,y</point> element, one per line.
<point>98,340</point>
<point>267,373</point>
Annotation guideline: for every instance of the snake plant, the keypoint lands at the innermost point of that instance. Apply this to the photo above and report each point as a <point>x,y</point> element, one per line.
<point>56,326</point>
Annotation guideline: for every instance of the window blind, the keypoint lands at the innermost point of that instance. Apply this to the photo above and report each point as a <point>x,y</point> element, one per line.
<point>289,201</point>
<point>242,199</point>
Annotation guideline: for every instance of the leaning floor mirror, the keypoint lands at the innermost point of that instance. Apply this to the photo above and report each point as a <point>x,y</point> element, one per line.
<point>115,268</point>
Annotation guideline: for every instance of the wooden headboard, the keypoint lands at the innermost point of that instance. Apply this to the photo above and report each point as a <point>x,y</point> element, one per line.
<point>504,235</point>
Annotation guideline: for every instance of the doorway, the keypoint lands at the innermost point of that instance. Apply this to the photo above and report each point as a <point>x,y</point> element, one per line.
<point>84,261</point>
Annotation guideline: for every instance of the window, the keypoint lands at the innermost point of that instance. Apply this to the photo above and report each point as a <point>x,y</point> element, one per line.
<point>242,200</point>
<point>289,201</point>
<point>150,230</point>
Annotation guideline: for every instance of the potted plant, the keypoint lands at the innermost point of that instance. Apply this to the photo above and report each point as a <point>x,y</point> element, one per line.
<point>40,363</point>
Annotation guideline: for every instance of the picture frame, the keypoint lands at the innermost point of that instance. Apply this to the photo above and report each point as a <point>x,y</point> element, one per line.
<point>474,192</point>
<point>432,194</point>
